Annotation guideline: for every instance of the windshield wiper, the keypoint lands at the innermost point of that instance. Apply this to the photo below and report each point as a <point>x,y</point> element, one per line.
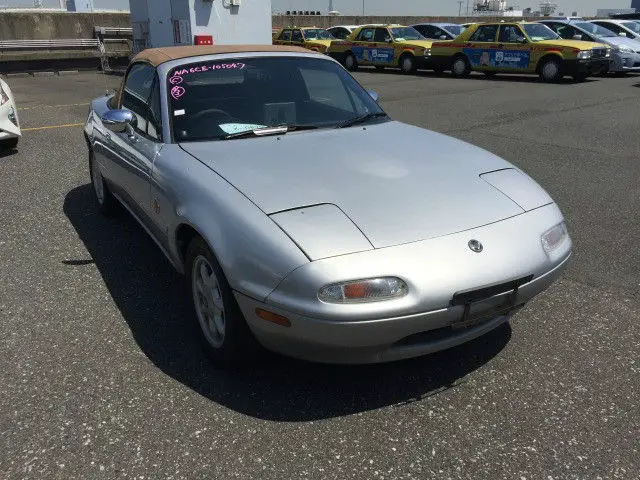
<point>267,131</point>
<point>361,119</point>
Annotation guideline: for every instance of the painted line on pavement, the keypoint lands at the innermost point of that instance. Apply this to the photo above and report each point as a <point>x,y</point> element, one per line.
<point>49,127</point>
<point>54,106</point>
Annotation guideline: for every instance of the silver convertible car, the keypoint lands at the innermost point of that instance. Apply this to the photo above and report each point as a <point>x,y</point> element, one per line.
<point>305,219</point>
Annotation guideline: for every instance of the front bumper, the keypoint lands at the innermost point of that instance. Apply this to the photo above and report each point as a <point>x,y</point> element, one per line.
<point>428,318</point>
<point>625,62</point>
<point>9,122</point>
<point>386,339</point>
<point>587,66</point>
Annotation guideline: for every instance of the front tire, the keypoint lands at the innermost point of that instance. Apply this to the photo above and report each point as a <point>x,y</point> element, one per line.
<point>224,332</point>
<point>106,202</point>
<point>460,67</point>
<point>551,70</point>
<point>407,64</point>
<point>350,62</point>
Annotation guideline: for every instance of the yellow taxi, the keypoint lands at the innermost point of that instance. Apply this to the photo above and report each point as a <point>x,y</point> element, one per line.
<point>384,46</point>
<point>523,47</point>
<point>313,38</point>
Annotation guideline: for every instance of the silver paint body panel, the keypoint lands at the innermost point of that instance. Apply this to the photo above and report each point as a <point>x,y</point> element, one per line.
<point>286,215</point>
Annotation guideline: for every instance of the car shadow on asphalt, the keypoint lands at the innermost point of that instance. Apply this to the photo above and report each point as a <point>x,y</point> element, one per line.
<point>511,78</point>
<point>150,296</point>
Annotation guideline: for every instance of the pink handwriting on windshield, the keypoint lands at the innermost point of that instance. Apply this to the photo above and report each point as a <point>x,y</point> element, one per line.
<point>209,68</point>
<point>177,92</point>
<point>176,80</point>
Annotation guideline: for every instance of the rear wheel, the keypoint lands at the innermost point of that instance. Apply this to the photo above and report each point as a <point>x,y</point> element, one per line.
<point>10,144</point>
<point>107,203</point>
<point>460,66</point>
<point>551,70</point>
<point>350,62</point>
<point>407,63</point>
<point>225,334</point>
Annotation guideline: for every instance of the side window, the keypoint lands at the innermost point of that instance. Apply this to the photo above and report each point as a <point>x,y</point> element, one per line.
<point>510,34</point>
<point>485,33</point>
<point>366,35</point>
<point>154,129</point>
<point>438,32</point>
<point>285,35</point>
<point>137,90</point>
<point>297,36</point>
<point>382,35</point>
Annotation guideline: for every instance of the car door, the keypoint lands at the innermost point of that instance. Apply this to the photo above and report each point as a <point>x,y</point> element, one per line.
<point>284,38</point>
<point>363,45</point>
<point>513,53</point>
<point>131,154</point>
<point>297,38</point>
<point>481,47</point>
<point>383,52</point>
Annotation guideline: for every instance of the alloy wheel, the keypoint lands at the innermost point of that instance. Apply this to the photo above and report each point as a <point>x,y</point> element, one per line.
<point>208,303</point>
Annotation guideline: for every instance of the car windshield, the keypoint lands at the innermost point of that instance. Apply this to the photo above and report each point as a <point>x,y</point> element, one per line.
<point>633,26</point>
<point>401,34</point>
<point>454,30</point>
<point>215,99</point>
<point>595,30</point>
<point>538,32</point>
<point>317,34</point>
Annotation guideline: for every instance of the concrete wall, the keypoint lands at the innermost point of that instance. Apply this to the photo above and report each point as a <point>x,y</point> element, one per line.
<point>36,26</point>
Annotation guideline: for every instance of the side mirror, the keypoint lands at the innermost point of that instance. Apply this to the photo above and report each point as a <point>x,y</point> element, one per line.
<point>119,121</point>
<point>577,37</point>
<point>622,34</point>
<point>373,95</point>
<point>443,37</point>
<point>522,40</point>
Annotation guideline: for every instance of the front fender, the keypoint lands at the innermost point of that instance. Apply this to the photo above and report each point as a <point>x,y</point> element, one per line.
<point>254,253</point>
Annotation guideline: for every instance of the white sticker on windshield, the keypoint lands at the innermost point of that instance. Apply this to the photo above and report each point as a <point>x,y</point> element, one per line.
<point>179,113</point>
<point>231,128</point>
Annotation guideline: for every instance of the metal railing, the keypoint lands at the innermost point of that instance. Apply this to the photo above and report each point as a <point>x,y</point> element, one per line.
<point>50,44</point>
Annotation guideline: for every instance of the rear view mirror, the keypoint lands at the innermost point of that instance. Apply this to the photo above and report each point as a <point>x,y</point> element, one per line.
<point>119,120</point>
<point>373,95</point>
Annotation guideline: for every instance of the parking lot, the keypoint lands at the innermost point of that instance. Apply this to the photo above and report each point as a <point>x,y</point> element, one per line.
<point>101,376</point>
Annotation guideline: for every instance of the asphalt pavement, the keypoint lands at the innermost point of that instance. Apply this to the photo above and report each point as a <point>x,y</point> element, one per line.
<point>100,375</point>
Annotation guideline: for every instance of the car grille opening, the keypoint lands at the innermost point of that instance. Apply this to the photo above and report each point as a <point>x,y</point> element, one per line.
<point>599,53</point>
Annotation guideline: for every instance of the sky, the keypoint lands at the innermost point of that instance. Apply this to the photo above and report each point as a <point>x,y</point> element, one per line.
<point>378,7</point>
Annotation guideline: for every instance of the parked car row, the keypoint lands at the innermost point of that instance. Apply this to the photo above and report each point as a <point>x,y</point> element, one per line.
<point>552,48</point>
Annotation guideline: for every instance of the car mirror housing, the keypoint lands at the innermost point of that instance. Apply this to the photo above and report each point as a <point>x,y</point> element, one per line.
<point>443,37</point>
<point>118,120</point>
<point>577,37</point>
<point>373,95</point>
<point>622,34</point>
<point>522,40</point>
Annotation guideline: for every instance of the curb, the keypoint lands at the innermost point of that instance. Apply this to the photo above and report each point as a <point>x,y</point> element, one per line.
<point>44,74</point>
<point>64,73</point>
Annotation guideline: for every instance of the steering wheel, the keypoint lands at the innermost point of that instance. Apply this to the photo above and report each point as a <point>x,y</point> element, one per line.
<point>214,113</point>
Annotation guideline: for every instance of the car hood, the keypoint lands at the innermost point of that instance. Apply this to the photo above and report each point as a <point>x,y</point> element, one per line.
<point>415,43</point>
<point>396,183</point>
<point>627,42</point>
<point>570,44</point>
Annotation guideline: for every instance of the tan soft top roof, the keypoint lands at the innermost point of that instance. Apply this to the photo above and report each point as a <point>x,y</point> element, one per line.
<point>157,56</point>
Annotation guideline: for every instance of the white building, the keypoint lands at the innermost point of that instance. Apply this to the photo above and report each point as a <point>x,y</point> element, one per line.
<point>161,23</point>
